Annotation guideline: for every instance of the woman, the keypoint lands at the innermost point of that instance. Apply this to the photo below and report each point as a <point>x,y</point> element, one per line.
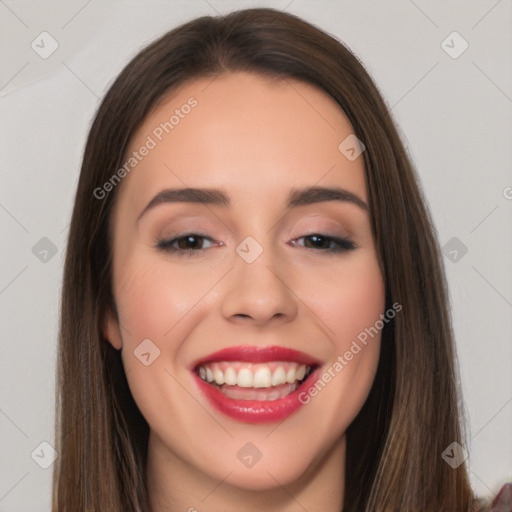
<point>254,309</point>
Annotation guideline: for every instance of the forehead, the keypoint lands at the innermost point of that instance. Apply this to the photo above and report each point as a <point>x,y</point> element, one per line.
<point>257,136</point>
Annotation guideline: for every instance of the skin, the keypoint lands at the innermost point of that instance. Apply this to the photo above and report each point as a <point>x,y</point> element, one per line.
<point>255,138</point>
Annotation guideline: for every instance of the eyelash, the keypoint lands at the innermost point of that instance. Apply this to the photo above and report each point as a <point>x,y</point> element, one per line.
<point>344,244</point>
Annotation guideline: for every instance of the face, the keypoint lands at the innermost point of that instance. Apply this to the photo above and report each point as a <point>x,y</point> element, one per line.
<point>242,311</point>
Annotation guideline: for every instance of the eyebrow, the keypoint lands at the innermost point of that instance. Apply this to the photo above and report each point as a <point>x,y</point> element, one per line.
<point>217,197</point>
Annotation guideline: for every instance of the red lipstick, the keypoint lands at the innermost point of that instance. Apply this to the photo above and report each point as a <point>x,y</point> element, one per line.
<point>257,411</point>
<point>253,354</point>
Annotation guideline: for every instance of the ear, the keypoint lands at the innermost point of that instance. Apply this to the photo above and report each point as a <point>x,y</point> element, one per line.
<point>111,331</point>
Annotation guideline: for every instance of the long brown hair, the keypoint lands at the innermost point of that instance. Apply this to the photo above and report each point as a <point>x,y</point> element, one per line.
<point>395,444</point>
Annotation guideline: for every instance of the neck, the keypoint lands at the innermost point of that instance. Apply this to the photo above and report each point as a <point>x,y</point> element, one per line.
<point>176,486</point>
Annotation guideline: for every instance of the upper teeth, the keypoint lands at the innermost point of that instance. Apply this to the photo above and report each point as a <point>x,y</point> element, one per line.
<point>256,375</point>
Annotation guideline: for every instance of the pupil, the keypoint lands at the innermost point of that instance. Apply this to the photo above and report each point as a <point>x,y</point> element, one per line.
<point>316,238</point>
<point>189,240</point>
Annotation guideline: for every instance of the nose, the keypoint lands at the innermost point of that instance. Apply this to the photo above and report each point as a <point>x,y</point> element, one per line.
<point>260,291</point>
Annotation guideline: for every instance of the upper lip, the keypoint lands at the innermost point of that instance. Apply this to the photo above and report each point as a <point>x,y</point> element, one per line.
<point>258,354</point>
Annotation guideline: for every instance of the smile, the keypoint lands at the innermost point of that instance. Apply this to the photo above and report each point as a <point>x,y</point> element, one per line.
<point>255,384</point>
<point>261,381</point>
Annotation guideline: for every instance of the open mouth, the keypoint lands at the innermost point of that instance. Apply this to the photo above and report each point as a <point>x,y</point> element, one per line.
<point>269,381</point>
<point>255,384</point>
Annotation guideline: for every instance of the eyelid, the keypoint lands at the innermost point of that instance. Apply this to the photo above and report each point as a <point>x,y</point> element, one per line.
<point>165,242</point>
<point>305,226</point>
<point>342,244</point>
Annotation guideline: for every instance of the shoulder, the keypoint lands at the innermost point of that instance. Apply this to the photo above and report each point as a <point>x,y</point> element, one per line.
<point>502,502</point>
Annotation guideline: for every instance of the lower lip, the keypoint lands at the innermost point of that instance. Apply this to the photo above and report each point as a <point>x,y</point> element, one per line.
<point>256,411</point>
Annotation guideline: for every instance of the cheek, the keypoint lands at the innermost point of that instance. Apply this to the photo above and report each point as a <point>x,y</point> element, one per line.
<point>349,311</point>
<point>157,301</point>
<point>348,299</point>
<point>151,306</point>
<point>152,298</point>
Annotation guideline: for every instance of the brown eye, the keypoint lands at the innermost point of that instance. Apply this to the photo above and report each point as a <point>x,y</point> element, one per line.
<point>327,243</point>
<point>185,244</point>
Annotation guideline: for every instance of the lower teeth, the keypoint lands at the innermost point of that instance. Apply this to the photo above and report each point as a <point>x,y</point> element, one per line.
<point>262,394</point>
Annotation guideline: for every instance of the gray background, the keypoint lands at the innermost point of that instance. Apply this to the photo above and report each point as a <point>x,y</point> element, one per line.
<point>455,117</point>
